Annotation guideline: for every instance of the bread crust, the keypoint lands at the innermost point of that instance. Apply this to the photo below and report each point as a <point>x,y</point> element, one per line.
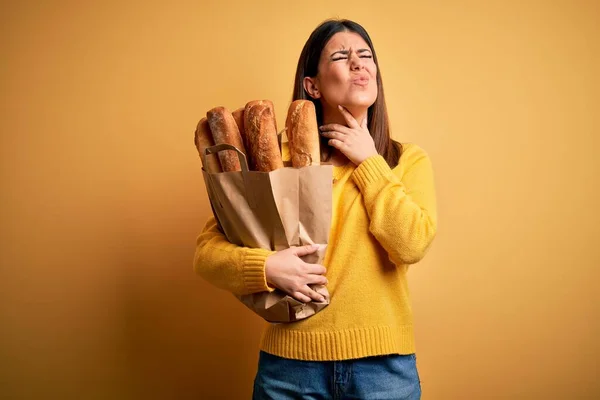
<point>225,130</point>
<point>202,139</point>
<point>259,122</point>
<point>303,134</point>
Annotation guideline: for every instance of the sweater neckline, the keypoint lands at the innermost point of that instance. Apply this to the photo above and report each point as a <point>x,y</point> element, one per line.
<point>340,171</point>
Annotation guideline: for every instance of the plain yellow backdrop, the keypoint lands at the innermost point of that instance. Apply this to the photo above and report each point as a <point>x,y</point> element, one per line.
<point>102,195</point>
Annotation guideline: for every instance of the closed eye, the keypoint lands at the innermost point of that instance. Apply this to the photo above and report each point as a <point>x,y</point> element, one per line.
<point>345,58</point>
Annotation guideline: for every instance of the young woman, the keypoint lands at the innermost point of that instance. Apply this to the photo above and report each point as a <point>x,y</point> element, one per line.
<point>384,219</point>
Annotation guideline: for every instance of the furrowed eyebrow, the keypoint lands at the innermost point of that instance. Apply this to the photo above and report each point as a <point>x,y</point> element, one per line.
<point>346,52</point>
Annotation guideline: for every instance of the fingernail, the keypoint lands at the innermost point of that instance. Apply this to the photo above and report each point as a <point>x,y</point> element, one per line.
<point>315,246</point>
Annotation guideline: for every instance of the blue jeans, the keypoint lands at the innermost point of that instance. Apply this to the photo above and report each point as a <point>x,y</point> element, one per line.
<point>382,377</point>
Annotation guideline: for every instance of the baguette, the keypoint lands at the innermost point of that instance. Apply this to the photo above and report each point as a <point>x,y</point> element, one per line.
<point>303,134</point>
<point>225,130</point>
<point>238,115</point>
<point>264,102</point>
<point>264,151</point>
<point>202,139</point>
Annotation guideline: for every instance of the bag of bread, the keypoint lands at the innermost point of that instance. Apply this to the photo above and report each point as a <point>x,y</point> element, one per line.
<point>266,204</point>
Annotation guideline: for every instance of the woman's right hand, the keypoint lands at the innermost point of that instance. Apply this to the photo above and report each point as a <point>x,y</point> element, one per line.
<point>286,271</point>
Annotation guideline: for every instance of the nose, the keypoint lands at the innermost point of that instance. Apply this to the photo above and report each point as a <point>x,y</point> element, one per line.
<point>356,63</point>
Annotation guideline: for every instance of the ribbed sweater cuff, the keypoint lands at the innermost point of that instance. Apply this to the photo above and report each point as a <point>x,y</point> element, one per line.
<point>370,171</point>
<point>254,270</point>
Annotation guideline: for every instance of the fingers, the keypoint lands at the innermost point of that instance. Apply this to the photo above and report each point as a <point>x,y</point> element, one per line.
<point>337,139</point>
<point>314,276</point>
<point>304,250</point>
<point>316,269</point>
<point>336,128</point>
<point>335,135</point>
<point>307,295</point>
<point>301,297</point>
<point>317,280</point>
<point>350,120</point>
<point>338,144</point>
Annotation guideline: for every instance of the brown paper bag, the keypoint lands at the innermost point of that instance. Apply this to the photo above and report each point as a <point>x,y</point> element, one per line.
<point>274,210</point>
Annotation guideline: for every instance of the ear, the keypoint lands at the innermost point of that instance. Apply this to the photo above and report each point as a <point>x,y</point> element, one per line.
<point>311,87</point>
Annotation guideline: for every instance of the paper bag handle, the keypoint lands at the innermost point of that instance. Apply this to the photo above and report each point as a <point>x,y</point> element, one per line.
<point>241,156</point>
<point>252,202</point>
<point>225,146</point>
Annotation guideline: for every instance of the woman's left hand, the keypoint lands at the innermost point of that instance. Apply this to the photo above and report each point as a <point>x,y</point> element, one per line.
<point>354,140</point>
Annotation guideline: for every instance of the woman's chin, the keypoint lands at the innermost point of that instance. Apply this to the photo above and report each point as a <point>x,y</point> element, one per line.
<point>360,102</point>
<point>358,107</point>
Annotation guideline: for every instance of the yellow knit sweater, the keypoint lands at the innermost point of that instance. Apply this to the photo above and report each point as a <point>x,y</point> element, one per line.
<point>383,220</point>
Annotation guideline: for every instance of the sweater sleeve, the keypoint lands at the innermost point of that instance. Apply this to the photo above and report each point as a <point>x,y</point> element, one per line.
<point>240,270</point>
<point>402,211</point>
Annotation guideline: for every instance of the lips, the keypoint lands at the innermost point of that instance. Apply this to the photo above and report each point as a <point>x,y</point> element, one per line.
<point>361,80</point>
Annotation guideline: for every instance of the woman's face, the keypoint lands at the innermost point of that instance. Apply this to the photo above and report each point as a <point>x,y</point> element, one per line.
<point>347,73</point>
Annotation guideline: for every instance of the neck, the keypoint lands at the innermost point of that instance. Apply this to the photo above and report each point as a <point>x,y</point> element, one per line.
<point>334,116</point>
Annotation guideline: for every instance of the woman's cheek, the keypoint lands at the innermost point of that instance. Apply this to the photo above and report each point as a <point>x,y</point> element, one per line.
<point>335,92</point>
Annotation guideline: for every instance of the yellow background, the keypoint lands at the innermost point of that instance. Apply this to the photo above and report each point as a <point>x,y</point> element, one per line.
<point>102,195</point>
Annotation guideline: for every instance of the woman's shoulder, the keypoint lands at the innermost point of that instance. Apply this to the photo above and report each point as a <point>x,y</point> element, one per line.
<point>411,154</point>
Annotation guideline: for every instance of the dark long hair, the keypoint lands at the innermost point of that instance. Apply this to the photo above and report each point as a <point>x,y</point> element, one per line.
<point>308,65</point>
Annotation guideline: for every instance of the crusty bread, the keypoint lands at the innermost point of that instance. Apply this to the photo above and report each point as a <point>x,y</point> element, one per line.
<point>224,130</point>
<point>259,123</point>
<point>238,116</point>
<point>202,139</point>
<point>303,134</point>
<point>269,103</point>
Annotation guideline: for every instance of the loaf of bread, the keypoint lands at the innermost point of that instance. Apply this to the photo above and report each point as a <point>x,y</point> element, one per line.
<point>303,134</point>
<point>269,103</point>
<point>224,130</point>
<point>238,116</point>
<point>259,123</point>
<point>202,139</point>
